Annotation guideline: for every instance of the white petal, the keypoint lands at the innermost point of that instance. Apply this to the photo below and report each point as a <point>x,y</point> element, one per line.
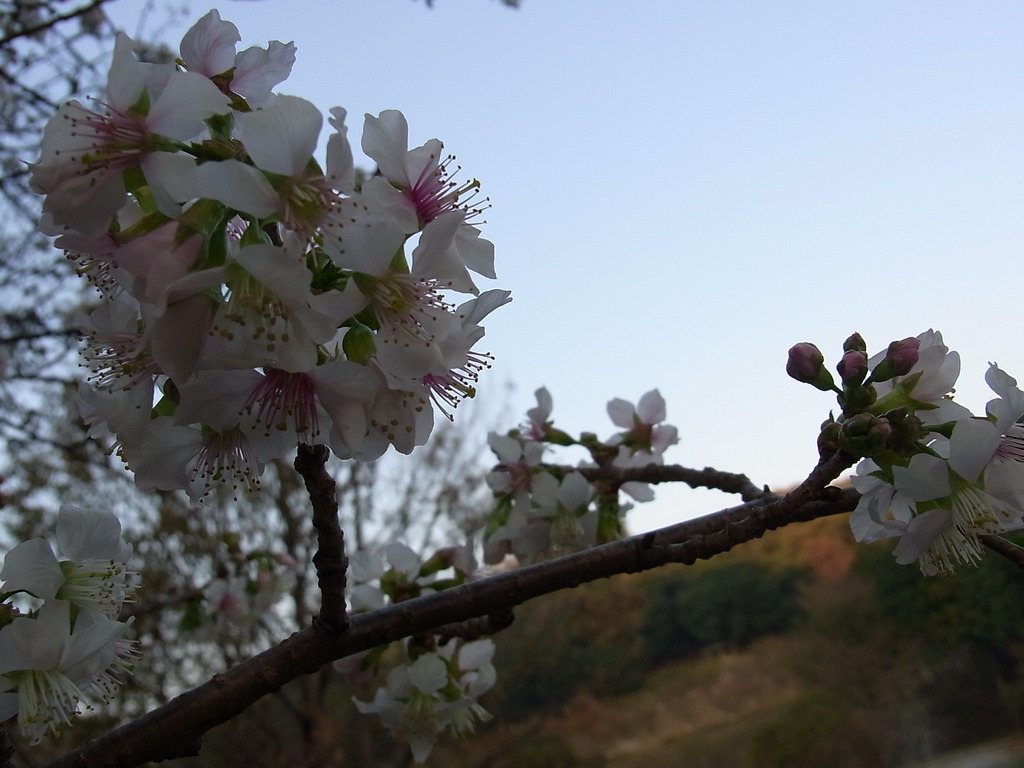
<point>236,184</point>
<point>366,565</point>
<point>257,71</point>
<point>475,654</point>
<point>651,407</point>
<point>621,412</point>
<point>282,136</point>
<point>83,534</point>
<point>921,532</point>
<point>403,558</point>
<point>185,102</point>
<point>386,141</point>
<point>209,46</point>
<point>32,566</point>
<point>926,477</point>
<point>971,447</point>
<point>428,673</point>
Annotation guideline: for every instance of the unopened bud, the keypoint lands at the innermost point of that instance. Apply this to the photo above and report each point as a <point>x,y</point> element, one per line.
<point>441,560</point>
<point>857,398</point>
<point>853,367</point>
<point>864,435</point>
<point>806,364</point>
<point>907,429</point>
<point>904,355</point>
<point>358,343</point>
<point>855,343</point>
<point>899,359</point>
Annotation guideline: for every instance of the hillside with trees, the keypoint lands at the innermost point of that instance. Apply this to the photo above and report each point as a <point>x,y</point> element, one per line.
<point>795,650</point>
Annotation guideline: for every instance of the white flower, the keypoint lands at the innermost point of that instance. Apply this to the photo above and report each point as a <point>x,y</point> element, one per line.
<point>518,457</point>
<point>943,501</point>
<point>436,691</point>
<point>85,152</point>
<point>642,423</point>
<point>52,668</point>
<point>94,577</point>
<point>934,375</point>
<point>539,417</point>
<point>208,48</point>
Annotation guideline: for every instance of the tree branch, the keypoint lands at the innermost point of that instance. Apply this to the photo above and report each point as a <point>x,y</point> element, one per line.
<point>330,561</point>
<point>176,728</point>
<point>53,21</point>
<point>1007,549</point>
<point>730,482</point>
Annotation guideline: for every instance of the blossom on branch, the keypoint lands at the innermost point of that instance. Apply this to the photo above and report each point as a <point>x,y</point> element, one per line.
<point>221,247</point>
<point>433,692</point>
<point>72,648</point>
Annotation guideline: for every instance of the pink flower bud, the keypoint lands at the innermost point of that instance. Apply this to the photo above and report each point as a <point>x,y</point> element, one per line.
<point>805,361</point>
<point>853,367</point>
<point>806,364</point>
<point>855,343</point>
<point>904,355</point>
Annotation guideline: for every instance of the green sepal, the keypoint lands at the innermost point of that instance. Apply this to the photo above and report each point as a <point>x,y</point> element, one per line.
<point>327,276</point>
<point>313,168</point>
<point>899,396</point>
<point>609,523</point>
<point>398,263</point>
<point>165,406</point>
<point>133,179</point>
<point>143,226</point>
<point>254,235</point>
<point>856,398</point>
<point>142,104</point>
<point>358,343</point>
<point>220,127</point>
<point>557,436</point>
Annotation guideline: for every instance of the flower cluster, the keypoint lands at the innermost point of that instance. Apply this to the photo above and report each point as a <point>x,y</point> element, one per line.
<point>432,687</point>
<point>542,509</point>
<point>242,595</point>
<point>933,474</point>
<point>408,576</point>
<point>251,298</point>
<point>434,691</point>
<point>71,649</point>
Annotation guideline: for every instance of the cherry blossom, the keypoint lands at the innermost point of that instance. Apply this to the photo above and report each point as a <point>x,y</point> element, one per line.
<point>47,668</point>
<point>94,575</point>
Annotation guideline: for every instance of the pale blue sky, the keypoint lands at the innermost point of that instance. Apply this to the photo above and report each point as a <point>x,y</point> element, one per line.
<point>682,190</point>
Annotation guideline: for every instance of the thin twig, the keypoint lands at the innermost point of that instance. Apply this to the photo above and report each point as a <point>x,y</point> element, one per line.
<point>730,482</point>
<point>53,21</point>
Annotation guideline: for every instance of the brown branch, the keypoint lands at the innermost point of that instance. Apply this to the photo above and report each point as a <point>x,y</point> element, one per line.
<point>42,26</point>
<point>473,629</point>
<point>176,728</point>
<point>60,333</point>
<point>330,561</point>
<point>730,482</point>
<point>1007,549</point>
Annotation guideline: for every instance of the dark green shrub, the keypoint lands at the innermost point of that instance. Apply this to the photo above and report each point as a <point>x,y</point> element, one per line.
<point>731,604</point>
